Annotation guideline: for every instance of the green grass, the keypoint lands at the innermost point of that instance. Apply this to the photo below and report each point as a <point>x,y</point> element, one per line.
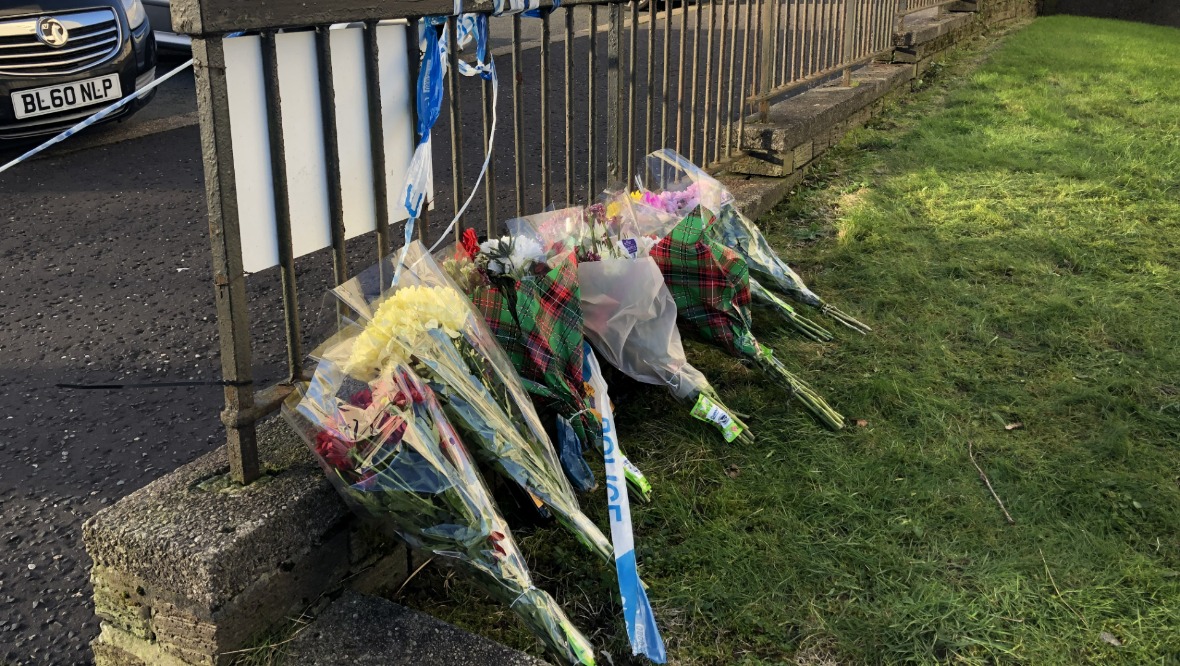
<point>1012,232</point>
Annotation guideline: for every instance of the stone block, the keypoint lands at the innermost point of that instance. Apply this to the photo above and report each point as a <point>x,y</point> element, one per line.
<point>921,30</point>
<point>756,195</point>
<point>802,118</point>
<point>363,630</point>
<point>193,566</point>
<point>803,153</point>
<point>763,164</point>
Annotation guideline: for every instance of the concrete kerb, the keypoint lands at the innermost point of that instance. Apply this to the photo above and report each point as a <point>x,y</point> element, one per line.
<point>369,631</point>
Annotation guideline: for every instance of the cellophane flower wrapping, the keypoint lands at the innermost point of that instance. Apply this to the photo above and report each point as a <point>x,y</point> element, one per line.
<point>629,314</point>
<point>388,448</point>
<point>413,313</point>
<point>532,304</point>
<point>688,185</point>
<point>709,280</point>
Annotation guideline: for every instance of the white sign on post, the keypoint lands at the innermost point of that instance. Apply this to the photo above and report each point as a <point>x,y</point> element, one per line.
<point>307,181</point>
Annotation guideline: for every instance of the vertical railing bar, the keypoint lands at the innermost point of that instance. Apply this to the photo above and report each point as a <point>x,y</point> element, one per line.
<point>631,94</point>
<point>327,90</point>
<point>854,14</point>
<point>592,109</point>
<point>651,76</point>
<point>680,72</point>
<point>846,42</point>
<point>838,33</point>
<point>489,179</point>
<point>767,62</point>
<point>776,42</point>
<point>614,95</point>
<point>829,32</point>
<point>282,203</point>
<point>518,114</point>
<point>730,76</point>
<point>708,79</point>
<point>569,105</point>
<point>696,59</point>
<point>414,60</point>
<point>744,94</point>
<point>664,83</point>
<point>377,139</point>
<point>456,118</point>
<point>723,37</point>
<point>769,19</point>
<point>870,15</point>
<point>821,29</point>
<point>788,43</point>
<point>796,40</point>
<point>233,321</point>
<point>809,62</point>
<point>866,28</point>
<point>546,36</point>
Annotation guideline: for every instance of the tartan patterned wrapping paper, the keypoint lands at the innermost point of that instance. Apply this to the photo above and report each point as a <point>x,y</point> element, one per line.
<point>538,321</point>
<point>710,282</point>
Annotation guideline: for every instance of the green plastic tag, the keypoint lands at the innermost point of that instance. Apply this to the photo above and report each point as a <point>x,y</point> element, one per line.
<point>707,410</point>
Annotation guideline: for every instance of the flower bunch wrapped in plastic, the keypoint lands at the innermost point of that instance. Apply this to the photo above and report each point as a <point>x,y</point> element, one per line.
<point>711,285</point>
<point>532,303</point>
<point>670,171</point>
<point>413,314</point>
<point>388,448</point>
<point>629,314</point>
<point>532,309</point>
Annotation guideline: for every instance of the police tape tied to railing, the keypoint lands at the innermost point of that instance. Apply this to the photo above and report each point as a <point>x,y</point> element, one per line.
<point>97,117</point>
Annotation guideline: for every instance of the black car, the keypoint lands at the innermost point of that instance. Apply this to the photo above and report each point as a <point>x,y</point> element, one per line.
<point>63,60</point>
<point>160,14</point>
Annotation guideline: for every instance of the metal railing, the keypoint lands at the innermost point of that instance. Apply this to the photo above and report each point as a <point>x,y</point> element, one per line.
<point>592,87</point>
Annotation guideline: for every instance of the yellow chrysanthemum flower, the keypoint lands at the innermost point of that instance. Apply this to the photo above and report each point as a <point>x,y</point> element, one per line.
<point>400,323</point>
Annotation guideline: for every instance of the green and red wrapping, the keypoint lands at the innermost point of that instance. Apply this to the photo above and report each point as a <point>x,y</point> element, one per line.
<point>711,285</point>
<point>537,320</point>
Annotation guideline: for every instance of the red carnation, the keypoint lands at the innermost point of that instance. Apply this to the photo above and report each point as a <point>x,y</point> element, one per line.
<point>332,449</point>
<point>470,243</point>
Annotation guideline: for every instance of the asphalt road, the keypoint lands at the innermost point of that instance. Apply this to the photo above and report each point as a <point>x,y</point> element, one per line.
<point>105,277</point>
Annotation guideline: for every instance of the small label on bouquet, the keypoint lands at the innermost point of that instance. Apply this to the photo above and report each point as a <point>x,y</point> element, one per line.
<point>631,245</point>
<point>707,410</point>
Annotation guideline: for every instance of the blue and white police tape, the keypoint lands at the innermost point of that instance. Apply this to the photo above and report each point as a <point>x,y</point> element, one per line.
<point>485,68</point>
<point>641,621</point>
<point>104,113</point>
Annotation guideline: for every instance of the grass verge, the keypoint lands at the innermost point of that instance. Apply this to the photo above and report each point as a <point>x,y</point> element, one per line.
<point>1012,232</point>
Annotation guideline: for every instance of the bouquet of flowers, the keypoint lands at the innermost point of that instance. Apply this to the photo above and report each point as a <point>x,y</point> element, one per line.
<point>671,171</point>
<point>532,305</point>
<point>413,314</point>
<point>387,446</point>
<point>711,285</point>
<point>532,309</point>
<point>629,314</point>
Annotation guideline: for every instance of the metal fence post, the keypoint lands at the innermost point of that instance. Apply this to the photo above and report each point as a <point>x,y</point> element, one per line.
<point>614,97</point>
<point>848,47</point>
<point>769,38</point>
<point>228,279</point>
